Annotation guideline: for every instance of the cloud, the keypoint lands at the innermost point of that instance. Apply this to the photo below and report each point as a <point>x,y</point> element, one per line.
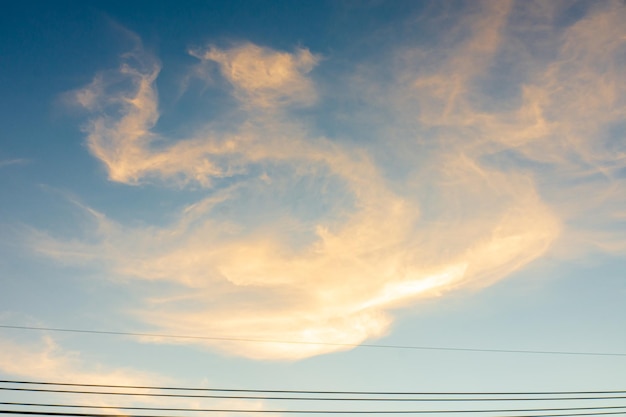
<point>46,360</point>
<point>445,84</point>
<point>551,110</point>
<point>126,145</point>
<point>337,280</point>
<point>568,122</point>
<point>263,77</point>
<point>337,289</point>
<point>16,161</point>
<point>302,237</point>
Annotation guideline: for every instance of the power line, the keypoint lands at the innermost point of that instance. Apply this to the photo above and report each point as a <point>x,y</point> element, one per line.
<point>590,410</point>
<point>231,410</point>
<point>250,397</point>
<point>52,413</point>
<point>366,345</point>
<point>152,387</point>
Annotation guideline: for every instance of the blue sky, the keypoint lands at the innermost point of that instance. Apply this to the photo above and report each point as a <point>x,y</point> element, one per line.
<point>412,173</point>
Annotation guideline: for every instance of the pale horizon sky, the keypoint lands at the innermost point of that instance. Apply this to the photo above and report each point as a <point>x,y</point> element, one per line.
<point>415,173</point>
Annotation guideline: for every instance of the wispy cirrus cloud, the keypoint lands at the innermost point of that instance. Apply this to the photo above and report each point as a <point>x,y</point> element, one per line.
<point>46,360</point>
<point>15,161</point>
<point>263,77</point>
<point>313,238</point>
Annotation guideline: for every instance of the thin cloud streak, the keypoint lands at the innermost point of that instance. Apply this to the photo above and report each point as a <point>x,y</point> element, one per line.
<point>9,162</point>
<point>493,190</point>
<point>46,360</point>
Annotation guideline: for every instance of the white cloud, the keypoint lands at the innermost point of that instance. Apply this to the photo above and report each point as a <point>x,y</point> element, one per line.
<point>46,360</point>
<point>492,190</point>
<point>15,161</point>
<point>253,283</point>
<point>263,77</point>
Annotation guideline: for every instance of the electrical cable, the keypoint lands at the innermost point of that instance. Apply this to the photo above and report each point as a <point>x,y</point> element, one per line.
<point>152,387</point>
<point>482,411</point>
<point>366,345</point>
<point>249,397</point>
<point>52,413</point>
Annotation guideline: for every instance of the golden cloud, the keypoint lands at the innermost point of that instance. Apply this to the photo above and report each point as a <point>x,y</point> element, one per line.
<point>490,194</point>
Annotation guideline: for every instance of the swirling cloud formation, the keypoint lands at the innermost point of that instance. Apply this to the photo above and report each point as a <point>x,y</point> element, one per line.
<point>303,237</point>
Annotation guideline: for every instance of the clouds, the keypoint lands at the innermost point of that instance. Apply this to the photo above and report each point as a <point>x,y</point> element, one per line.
<point>47,360</point>
<point>549,110</point>
<point>127,145</point>
<point>9,162</point>
<point>302,237</point>
<point>263,77</point>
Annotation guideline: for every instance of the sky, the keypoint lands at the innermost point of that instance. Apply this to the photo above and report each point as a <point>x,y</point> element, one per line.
<point>331,173</point>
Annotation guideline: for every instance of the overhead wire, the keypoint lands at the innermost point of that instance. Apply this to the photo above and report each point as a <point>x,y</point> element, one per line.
<point>52,413</point>
<point>589,409</point>
<point>512,396</point>
<point>252,397</point>
<point>481,411</point>
<point>299,342</point>
<point>569,395</point>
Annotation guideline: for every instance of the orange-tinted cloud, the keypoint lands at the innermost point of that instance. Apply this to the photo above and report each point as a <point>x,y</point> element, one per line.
<point>312,239</point>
